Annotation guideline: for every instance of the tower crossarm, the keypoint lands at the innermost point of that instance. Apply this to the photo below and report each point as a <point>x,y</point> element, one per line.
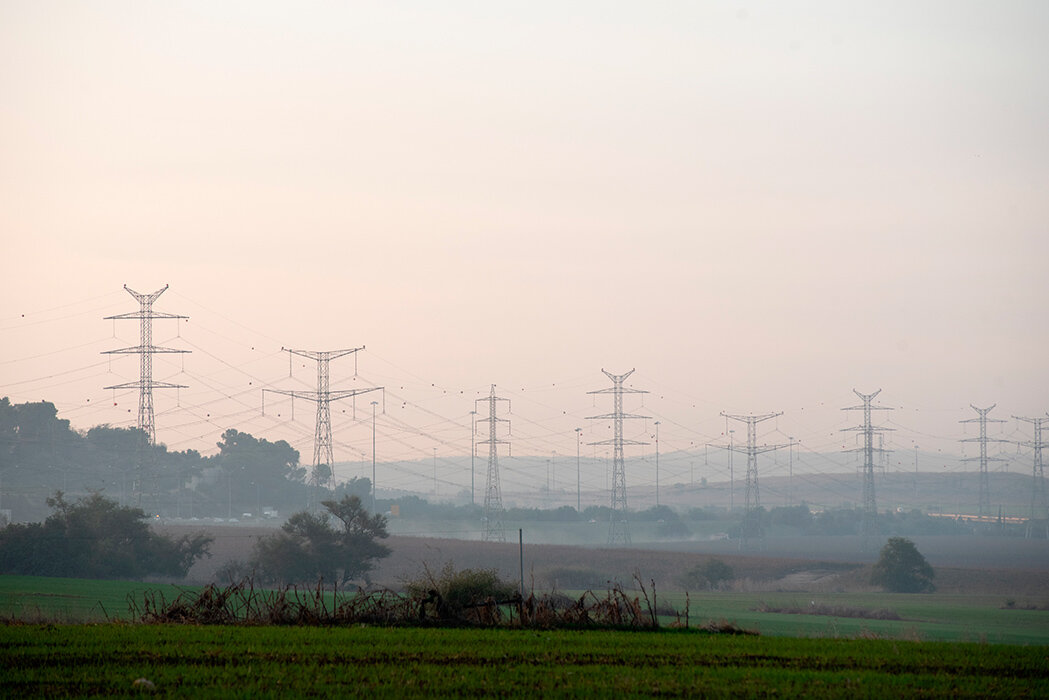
<point>613,416</point>
<point>337,395</point>
<point>150,384</point>
<point>140,349</point>
<point>322,354</point>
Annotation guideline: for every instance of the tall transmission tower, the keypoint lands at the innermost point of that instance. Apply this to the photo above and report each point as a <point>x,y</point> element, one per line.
<point>493,495</point>
<point>323,473</point>
<point>984,503</point>
<point>618,532</point>
<point>870,504</point>
<point>145,350</point>
<point>751,516</point>
<point>1039,499</point>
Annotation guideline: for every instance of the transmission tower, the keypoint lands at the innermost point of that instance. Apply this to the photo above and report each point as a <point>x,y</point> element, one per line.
<point>618,532</point>
<point>870,504</point>
<point>751,516</point>
<point>1039,499</point>
<point>493,495</point>
<point>984,503</point>
<point>145,350</point>
<point>323,472</point>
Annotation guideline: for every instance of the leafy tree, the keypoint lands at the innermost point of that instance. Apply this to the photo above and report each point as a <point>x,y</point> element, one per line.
<point>308,547</point>
<point>254,470</point>
<point>793,516</point>
<point>902,568</point>
<point>94,537</point>
<point>711,574</point>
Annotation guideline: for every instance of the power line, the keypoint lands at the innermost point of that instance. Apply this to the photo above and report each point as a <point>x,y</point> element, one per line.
<point>618,531</point>
<point>870,505</point>
<point>493,496</point>
<point>984,503</point>
<point>1039,500</point>
<point>322,475</point>
<point>751,525</point>
<point>145,350</point>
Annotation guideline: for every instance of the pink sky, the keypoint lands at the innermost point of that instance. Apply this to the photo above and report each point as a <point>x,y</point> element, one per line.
<point>758,208</point>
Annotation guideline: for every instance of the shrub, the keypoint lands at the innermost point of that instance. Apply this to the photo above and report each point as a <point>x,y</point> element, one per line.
<point>902,568</point>
<point>94,537</point>
<point>575,578</point>
<point>455,591</point>
<point>711,574</point>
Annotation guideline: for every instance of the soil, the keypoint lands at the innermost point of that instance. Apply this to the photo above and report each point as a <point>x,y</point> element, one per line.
<point>551,566</point>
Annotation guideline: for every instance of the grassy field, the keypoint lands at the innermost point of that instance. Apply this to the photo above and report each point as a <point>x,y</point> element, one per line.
<point>936,617</point>
<point>260,662</point>
<point>70,599</point>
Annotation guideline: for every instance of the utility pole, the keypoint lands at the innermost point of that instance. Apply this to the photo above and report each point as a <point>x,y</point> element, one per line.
<point>751,516</point>
<point>578,479</point>
<point>473,451</point>
<point>323,473</point>
<point>870,504</point>
<point>145,350</point>
<point>916,475</point>
<point>374,404</point>
<point>1039,499</point>
<point>657,463</point>
<point>493,496</point>
<point>618,532</point>
<point>983,506</point>
<point>731,476</point>
<point>790,481</point>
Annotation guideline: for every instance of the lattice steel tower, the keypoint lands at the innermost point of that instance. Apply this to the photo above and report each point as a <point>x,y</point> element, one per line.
<point>1039,499</point>
<point>983,506</point>
<point>323,472</point>
<point>493,495</point>
<point>751,526</point>
<point>618,532</point>
<point>145,350</point>
<point>870,504</point>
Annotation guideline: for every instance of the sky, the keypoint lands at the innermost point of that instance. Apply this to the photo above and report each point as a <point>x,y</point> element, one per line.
<point>759,207</point>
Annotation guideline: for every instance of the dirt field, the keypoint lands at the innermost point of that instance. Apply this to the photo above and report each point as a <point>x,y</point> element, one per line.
<point>547,566</point>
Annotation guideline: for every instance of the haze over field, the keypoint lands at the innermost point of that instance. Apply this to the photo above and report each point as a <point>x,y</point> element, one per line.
<point>758,208</point>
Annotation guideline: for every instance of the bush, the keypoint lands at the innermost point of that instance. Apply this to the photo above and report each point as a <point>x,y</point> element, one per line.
<point>902,568</point>
<point>456,591</point>
<point>711,574</point>
<point>94,537</point>
<point>575,578</point>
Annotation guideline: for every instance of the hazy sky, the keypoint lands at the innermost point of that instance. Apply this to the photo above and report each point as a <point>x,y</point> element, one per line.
<point>758,206</point>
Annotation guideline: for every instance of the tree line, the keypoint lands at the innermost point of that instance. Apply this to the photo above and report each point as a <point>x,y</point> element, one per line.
<point>40,453</point>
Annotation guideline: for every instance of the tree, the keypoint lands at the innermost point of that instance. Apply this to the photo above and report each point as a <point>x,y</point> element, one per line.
<point>255,470</point>
<point>711,574</point>
<point>94,537</point>
<point>902,568</point>
<point>308,547</point>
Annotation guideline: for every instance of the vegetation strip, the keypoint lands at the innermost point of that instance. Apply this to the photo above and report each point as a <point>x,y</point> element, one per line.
<point>212,661</point>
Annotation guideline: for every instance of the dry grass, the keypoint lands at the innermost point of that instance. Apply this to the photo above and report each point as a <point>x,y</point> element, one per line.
<point>831,611</point>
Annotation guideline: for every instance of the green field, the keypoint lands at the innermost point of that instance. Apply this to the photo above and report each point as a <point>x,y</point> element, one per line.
<point>195,661</point>
<point>930,617</point>
<point>935,617</point>
<point>71,599</point>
